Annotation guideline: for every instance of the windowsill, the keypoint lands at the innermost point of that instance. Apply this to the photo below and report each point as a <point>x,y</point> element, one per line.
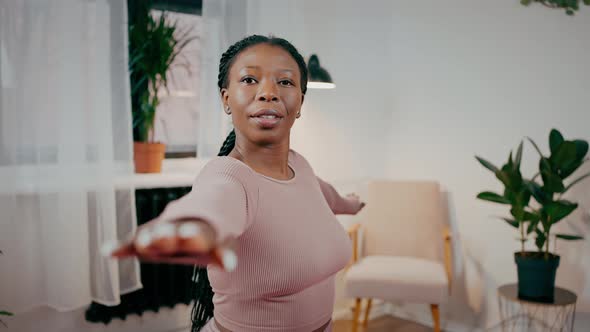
<point>176,172</point>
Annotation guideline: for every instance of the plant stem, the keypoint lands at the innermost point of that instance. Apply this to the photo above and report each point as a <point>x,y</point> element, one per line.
<point>522,237</point>
<point>547,245</point>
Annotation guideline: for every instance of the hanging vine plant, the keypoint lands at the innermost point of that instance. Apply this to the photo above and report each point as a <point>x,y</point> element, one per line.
<point>570,6</point>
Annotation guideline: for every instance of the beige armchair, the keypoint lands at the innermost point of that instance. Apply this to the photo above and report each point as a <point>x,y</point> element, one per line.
<point>406,248</point>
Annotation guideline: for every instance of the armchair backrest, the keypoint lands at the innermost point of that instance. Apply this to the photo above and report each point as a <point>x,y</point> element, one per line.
<point>404,218</point>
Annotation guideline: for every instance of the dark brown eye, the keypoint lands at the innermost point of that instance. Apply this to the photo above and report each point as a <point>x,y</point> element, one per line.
<point>286,83</point>
<point>248,80</point>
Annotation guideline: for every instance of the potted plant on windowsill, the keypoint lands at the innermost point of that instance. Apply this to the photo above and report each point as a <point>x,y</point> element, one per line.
<point>537,270</point>
<point>154,46</point>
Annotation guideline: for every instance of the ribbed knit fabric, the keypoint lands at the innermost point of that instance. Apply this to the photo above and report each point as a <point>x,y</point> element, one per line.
<point>290,244</point>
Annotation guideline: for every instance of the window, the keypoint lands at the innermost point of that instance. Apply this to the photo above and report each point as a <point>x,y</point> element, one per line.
<point>177,116</point>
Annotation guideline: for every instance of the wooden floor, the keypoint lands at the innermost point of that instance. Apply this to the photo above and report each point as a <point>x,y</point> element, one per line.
<point>383,324</point>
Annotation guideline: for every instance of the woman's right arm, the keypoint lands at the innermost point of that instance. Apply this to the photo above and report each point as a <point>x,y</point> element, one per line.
<point>197,229</point>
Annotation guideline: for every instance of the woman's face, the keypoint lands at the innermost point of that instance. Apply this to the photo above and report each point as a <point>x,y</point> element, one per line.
<point>263,94</point>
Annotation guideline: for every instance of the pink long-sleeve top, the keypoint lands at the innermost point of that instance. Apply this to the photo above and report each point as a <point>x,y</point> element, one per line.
<point>289,243</point>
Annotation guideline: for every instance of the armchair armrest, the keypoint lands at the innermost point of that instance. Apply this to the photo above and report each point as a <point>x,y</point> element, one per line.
<point>448,254</point>
<point>353,234</point>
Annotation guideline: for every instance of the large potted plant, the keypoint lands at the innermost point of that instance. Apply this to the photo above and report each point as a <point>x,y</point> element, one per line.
<point>154,46</point>
<point>536,205</point>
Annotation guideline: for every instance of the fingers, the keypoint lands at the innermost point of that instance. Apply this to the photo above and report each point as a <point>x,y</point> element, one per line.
<point>353,195</point>
<point>194,238</point>
<point>226,258</point>
<point>181,242</point>
<point>161,239</point>
<point>113,249</point>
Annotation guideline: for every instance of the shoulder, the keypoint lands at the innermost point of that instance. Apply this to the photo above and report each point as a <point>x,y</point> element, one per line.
<point>228,168</point>
<point>297,160</point>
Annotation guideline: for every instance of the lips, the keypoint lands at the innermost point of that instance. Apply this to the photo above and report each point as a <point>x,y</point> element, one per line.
<point>267,113</point>
<point>267,118</point>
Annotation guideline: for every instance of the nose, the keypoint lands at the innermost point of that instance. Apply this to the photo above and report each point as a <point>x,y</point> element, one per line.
<point>268,91</point>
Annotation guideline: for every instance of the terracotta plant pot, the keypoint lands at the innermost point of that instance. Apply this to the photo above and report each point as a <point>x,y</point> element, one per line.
<point>148,157</point>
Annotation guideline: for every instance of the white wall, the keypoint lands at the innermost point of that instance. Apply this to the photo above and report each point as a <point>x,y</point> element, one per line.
<point>422,87</point>
<point>348,126</point>
<point>474,77</point>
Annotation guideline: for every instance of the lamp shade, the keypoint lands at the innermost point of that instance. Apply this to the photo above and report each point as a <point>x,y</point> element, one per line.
<point>318,77</point>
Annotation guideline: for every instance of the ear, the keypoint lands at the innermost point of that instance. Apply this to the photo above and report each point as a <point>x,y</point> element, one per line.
<point>224,97</point>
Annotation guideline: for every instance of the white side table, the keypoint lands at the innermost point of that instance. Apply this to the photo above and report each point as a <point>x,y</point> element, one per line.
<point>523,315</point>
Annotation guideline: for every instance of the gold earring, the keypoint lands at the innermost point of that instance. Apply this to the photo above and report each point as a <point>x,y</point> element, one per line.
<point>227,110</point>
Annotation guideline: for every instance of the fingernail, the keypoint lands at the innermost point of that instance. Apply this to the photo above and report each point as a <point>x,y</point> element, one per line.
<point>107,249</point>
<point>229,260</point>
<point>144,238</point>
<point>188,230</point>
<point>164,230</point>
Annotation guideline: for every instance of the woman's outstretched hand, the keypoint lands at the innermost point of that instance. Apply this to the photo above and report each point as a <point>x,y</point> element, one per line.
<point>355,197</point>
<point>190,242</point>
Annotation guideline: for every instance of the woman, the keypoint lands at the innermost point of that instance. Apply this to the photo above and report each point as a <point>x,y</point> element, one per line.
<point>257,217</point>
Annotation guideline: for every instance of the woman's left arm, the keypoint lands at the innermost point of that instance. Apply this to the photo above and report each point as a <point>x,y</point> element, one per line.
<point>351,204</point>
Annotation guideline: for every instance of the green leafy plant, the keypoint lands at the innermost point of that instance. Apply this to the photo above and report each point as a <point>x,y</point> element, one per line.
<point>546,187</point>
<point>570,6</point>
<point>154,47</point>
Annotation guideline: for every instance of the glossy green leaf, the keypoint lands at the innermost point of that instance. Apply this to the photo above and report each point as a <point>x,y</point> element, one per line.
<point>558,210</point>
<point>511,222</point>
<point>545,165</point>
<point>570,169</point>
<point>523,197</point>
<point>552,182</point>
<point>555,139</point>
<point>504,178</point>
<point>569,237</point>
<point>518,157</point>
<point>488,165</point>
<point>531,216</point>
<point>581,148</point>
<point>492,197</point>
<point>564,155</point>
<point>540,196</point>
<point>517,212</point>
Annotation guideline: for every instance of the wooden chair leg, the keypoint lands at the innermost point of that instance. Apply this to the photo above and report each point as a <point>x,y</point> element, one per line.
<point>357,311</point>
<point>366,320</point>
<point>435,317</point>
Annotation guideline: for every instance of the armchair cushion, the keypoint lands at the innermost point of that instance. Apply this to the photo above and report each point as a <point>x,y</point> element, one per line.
<point>398,278</point>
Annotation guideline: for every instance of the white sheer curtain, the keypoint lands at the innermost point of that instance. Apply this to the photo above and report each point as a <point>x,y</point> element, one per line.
<point>65,142</point>
<point>224,23</point>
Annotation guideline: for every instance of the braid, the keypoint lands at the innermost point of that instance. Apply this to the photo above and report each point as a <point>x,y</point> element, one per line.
<point>228,145</point>
<point>202,292</point>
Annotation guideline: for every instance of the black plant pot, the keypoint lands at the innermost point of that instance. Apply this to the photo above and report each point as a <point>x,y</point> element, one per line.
<point>536,276</point>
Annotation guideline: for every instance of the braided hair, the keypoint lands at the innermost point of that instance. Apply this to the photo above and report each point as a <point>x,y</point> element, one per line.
<point>202,310</point>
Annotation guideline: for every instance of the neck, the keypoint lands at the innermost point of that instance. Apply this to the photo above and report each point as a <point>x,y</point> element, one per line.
<point>268,159</point>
